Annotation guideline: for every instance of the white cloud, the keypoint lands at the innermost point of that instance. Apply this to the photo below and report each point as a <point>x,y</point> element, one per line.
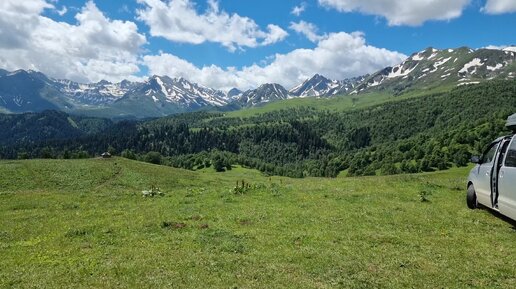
<point>178,20</point>
<point>94,48</point>
<point>338,56</point>
<point>307,29</point>
<point>62,11</point>
<point>297,10</point>
<point>275,34</point>
<point>18,19</point>
<point>499,6</point>
<point>403,12</point>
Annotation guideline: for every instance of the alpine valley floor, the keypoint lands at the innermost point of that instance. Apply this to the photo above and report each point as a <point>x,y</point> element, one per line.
<point>85,224</point>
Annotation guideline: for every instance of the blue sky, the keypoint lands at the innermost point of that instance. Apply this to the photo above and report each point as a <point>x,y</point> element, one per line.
<point>146,40</point>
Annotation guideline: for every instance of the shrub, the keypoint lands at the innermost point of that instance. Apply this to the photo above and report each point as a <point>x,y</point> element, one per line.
<point>153,158</point>
<point>424,196</point>
<point>128,154</point>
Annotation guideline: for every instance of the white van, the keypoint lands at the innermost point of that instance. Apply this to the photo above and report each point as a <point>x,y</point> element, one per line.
<point>492,182</point>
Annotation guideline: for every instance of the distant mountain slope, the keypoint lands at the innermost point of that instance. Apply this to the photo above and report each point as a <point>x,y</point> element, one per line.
<point>265,93</point>
<point>22,91</point>
<point>99,93</point>
<point>162,95</point>
<point>320,86</point>
<point>28,128</point>
<point>432,67</point>
<point>31,91</point>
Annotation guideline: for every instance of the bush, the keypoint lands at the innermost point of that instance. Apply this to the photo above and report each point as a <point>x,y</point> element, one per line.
<point>221,161</point>
<point>111,150</point>
<point>23,156</point>
<point>424,196</point>
<point>153,158</point>
<point>81,155</point>
<point>128,154</point>
<point>46,153</point>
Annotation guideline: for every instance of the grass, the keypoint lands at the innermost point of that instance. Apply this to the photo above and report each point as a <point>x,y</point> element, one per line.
<point>338,103</point>
<point>85,224</point>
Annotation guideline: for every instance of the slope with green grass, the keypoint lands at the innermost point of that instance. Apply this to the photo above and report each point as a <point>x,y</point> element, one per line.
<point>85,224</point>
<point>341,103</point>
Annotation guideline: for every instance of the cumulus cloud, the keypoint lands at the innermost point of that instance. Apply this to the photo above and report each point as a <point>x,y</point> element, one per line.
<point>338,56</point>
<point>297,10</point>
<point>94,48</point>
<point>307,29</point>
<point>403,12</point>
<point>178,20</point>
<point>499,6</point>
<point>275,34</point>
<point>18,19</point>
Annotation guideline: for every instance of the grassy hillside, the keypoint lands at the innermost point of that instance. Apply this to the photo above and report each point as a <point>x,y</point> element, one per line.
<point>85,224</point>
<point>339,103</point>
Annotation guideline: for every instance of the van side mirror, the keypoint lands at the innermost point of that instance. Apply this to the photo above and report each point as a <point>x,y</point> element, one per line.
<point>475,159</point>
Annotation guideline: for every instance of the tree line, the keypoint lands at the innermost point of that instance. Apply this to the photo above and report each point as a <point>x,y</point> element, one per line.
<point>431,132</point>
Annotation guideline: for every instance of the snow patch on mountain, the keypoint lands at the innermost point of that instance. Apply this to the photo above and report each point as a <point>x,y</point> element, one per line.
<point>181,91</point>
<point>399,70</point>
<point>320,86</point>
<point>473,63</point>
<point>417,57</point>
<point>441,62</point>
<point>496,67</point>
<point>263,94</point>
<point>510,49</point>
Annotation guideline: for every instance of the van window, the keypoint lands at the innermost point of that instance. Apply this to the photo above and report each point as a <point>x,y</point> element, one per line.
<point>510,159</point>
<point>489,154</point>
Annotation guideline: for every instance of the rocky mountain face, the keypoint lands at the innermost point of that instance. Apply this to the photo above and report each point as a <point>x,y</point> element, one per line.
<point>22,91</point>
<point>99,93</point>
<point>25,91</point>
<point>432,67</point>
<point>178,91</point>
<point>265,93</point>
<point>320,86</point>
<point>234,93</point>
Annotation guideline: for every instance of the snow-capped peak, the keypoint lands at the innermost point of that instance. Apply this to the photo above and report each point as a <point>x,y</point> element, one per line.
<point>180,90</point>
<point>319,85</point>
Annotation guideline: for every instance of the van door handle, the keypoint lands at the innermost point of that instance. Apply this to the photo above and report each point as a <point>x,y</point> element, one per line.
<point>501,174</point>
<point>487,173</point>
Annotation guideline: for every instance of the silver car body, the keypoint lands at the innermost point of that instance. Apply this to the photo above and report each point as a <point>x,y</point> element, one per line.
<point>494,177</point>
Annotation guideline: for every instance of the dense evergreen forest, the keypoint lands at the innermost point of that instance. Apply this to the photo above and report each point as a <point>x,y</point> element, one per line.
<point>431,132</point>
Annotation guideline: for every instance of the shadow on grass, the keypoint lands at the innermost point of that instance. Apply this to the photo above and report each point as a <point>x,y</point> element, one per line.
<point>500,216</point>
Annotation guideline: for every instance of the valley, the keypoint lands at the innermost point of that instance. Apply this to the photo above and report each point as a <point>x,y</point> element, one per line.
<point>377,135</point>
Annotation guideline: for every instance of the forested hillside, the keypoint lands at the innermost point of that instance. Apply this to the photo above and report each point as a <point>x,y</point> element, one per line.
<point>35,127</point>
<point>431,132</point>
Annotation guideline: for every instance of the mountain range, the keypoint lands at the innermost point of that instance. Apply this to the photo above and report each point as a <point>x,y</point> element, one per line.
<point>27,90</point>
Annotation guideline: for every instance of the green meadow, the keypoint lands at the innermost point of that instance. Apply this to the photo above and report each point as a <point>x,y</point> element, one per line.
<point>85,224</point>
<point>341,103</point>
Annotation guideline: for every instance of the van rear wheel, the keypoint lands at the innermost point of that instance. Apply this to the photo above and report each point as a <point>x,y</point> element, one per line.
<point>471,197</point>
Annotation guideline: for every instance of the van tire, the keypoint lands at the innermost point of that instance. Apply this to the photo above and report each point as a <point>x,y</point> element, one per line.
<point>471,197</point>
